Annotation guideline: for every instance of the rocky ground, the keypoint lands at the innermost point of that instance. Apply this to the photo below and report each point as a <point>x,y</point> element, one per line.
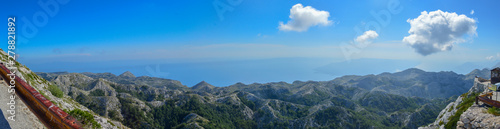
<point>477,117</point>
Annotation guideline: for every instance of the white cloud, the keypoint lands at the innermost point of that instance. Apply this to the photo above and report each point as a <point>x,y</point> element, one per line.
<point>493,57</point>
<point>301,18</point>
<point>438,31</point>
<point>472,12</point>
<point>489,57</point>
<point>367,36</point>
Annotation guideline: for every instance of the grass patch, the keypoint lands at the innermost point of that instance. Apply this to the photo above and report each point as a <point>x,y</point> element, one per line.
<point>495,111</point>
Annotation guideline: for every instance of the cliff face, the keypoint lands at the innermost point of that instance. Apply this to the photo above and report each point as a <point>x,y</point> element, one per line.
<point>475,116</point>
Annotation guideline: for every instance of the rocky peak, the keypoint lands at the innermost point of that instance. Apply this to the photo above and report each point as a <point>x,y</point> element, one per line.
<point>127,74</point>
<point>203,86</point>
<point>483,73</point>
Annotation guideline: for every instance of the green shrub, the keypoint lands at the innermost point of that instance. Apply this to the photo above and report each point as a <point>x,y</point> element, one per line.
<point>56,91</point>
<point>248,103</point>
<point>113,114</point>
<point>86,118</point>
<point>441,123</point>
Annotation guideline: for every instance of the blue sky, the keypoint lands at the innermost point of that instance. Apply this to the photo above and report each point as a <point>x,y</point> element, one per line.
<point>190,42</point>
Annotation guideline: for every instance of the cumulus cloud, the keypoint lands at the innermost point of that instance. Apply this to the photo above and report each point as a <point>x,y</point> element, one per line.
<point>493,57</point>
<point>367,36</point>
<point>489,57</point>
<point>301,18</point>
<point>438,31</point>
<point>472,12</point>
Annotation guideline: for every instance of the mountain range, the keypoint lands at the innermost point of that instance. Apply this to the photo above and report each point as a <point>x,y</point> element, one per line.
<point>406,99</point>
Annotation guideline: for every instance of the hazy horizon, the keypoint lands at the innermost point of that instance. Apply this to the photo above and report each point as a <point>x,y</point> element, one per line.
<point>227,78</point>
<point>254,41</point>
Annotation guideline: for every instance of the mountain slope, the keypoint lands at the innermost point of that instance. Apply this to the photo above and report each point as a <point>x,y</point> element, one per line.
<point>63,101</point>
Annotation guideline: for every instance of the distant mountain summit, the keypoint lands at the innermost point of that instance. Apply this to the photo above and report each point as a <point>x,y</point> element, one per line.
<point>413,70</point>
<point>484,73</point>
<point>203,86</point>
<point>127,74</point>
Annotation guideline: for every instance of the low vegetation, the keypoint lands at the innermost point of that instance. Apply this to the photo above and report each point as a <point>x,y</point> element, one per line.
<point>97,92</point>
<point>88,102</point>
<point>85,118</point>
<point>56,91</point>
<point>467,101</point>
<point>495,111</point>
<point>171,116</point>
